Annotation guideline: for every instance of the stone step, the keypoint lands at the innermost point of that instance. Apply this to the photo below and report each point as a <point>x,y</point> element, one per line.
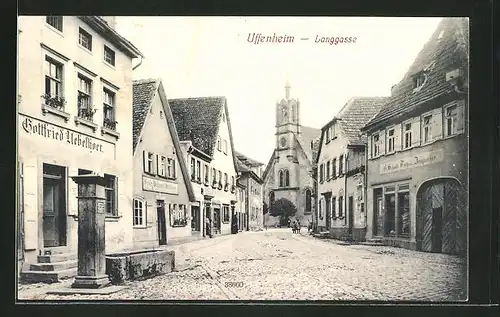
<point>47,276</point>
<point>54,266</point>
<point>56,250</point>
<point>57,257</point>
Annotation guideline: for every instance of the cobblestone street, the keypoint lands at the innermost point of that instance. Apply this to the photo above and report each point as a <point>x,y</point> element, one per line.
<point>279,265</point>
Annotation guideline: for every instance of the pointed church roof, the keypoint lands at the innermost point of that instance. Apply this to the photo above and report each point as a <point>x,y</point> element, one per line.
<point>144,91</point>
<point>305,137</point>
<point>446,50</point>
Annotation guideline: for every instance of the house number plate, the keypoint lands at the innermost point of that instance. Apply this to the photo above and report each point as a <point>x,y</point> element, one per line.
<point>100,207</point>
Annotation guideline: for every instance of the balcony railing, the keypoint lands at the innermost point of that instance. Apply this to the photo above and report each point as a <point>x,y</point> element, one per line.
<point>110,124</point>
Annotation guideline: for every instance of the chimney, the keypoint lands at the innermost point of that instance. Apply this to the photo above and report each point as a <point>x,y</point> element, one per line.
<point>111,21</point>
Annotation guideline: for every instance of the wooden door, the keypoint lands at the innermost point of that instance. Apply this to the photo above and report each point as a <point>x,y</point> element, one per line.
<point>378,215</point>
<point>217,220</point>
<point>351,213</point>
<point>328,213</point>
<point>51,217</point>
<point>162,224</point>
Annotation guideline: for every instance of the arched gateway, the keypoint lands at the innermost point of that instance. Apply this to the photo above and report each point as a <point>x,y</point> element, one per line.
<point>442,217</point>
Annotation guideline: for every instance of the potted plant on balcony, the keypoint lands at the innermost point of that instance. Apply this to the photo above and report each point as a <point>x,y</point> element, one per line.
<point>110,123</point>
<point>55,102</point>
<point>87,113</point>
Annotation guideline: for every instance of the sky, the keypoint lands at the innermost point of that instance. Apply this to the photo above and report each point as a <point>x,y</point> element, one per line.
<point>211,56</point>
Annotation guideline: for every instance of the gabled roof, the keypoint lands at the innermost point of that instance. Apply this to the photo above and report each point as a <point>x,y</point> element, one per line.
<point>247,161</point>
<point>446,50</point>
<point>355,114</point>
<point>244,165</point>
<point>100,25</point>
<point>305,137</point>
<point>144,92</point>
<point>198,120</point>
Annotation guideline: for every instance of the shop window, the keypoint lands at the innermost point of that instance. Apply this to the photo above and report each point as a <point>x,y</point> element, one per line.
<point>225,213</point>
<point>139,213</point>
<point>178,216</point>
<point>404,214</point>
<point>111,190</point>
<point>390,213</point>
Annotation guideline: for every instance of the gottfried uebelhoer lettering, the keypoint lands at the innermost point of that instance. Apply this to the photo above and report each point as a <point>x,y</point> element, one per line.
<point>52,132</point>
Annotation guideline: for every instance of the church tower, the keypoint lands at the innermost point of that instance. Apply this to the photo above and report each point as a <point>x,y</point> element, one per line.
<point>287,130</point>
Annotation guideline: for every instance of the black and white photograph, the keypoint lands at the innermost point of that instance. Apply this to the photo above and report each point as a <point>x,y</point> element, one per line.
<point>252,158</point>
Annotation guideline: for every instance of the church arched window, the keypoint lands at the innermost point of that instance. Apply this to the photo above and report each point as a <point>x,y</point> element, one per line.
<point>282,178</point>
<point>287,178</point>
<point>308,200</point>
<point>292,113</point>
<point>284,114</point>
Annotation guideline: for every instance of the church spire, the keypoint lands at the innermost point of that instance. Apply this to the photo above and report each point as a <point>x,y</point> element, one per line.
<point>287,89</point>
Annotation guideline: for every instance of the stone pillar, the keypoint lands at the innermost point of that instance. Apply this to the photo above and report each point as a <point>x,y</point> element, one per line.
<point>91,232</point>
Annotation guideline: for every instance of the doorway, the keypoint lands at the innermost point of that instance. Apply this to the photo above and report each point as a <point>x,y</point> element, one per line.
<point>195,218</point>
<point>378,212</point>
<point>217,220</point>
<point>162,223</point>
<point>328,212</point>
<point>54,206</point>
<point>351,213</point>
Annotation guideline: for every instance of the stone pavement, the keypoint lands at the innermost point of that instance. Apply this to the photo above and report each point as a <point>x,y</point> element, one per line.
<point>279,265</point>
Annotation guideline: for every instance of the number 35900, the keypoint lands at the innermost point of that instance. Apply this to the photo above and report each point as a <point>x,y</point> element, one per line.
<point>233,284</point>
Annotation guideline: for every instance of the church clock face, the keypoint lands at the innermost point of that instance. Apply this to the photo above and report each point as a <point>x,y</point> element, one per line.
<point>283,142</point>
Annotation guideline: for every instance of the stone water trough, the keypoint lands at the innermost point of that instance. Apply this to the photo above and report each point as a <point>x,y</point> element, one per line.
<point>138,264</point>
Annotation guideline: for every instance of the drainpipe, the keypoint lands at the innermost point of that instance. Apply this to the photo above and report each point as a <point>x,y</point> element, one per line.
<point>140,62</point>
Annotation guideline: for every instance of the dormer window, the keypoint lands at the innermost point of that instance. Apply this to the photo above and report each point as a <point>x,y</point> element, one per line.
<point>440,36</point>
<point>419,81</point>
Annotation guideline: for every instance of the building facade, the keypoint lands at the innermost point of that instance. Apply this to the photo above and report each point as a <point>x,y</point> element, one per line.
<point>204,129</point>
<point>341,170</point>
<point>288,173</point>
<point>241,206</point>
<point>162,188</point>
<point>250,172</point>
<point>418,150</point>
<point>75,82</point>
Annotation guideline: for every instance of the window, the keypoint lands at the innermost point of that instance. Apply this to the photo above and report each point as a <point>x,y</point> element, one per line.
<point>162,165</point>
<point>334,167</point>
<point>170,168</point>
<point>407,139</point>
<point>287,178</point>
<point>341,206</point>
<point>404,214</point>
<point>109,109</point>
<point>327,175</point>
<point>327,138</point>
<point>376,145</point>
<point>225,213</point>
<point>193,169</point>
<point>205,173</point>
<point>220,179</point>
<point>321,173</point>
<point>84,172</point>
<point>426,128</point>
<point>178,216</point>
<point>224,146</point>
<point>84,98</point>
<point>55,21</point>
<point>390,209</point>
<point>111,195</point>
<point>53,83</point>
<point>219,143</point>
<point>226,182</point>
<point>450,121</point>
<point>341,165</point>
<point>214,177</point>
<point>320,207</point>
<point>390,140</point>
<point>109,55</point>
<point>334,207</point>
<point>85,39</point>
<point>308,200</point>
<point>419,81</point>
<point>198,171</point>
<point>148,162</point>
<point>139,213</point>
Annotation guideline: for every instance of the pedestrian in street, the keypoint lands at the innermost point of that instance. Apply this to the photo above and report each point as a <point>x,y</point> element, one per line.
<point>208,226</point>
<point>298,226</point>
<point>309,226</point>
<point>294,227</point>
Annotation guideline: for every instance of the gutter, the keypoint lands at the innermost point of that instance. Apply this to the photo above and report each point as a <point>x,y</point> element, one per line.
<point>140,62</point>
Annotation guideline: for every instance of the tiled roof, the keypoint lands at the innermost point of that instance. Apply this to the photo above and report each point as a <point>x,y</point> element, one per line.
<point>316,145</point>
<point>143,92</point>
<point>241,167</point>
<point>198,119</point>
<point>355,114</point>
<point>246,160</point>
<point>307,135</point>
<point>446,50</point>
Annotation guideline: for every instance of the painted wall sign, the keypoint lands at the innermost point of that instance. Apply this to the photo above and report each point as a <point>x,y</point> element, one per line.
<point>160,186</point>
<point>412,162</point>
<point>49,131</point>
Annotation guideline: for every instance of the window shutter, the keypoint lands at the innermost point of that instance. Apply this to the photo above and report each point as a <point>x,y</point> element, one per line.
<point>369,144</point>
<point>158,163</point>
<point>116,196</point>
<point>436,124</point>
<point>145,161</point>
<point>397,137</point>
<point>382,142</point>
<point>460,124</point>
<point>415,131</point>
